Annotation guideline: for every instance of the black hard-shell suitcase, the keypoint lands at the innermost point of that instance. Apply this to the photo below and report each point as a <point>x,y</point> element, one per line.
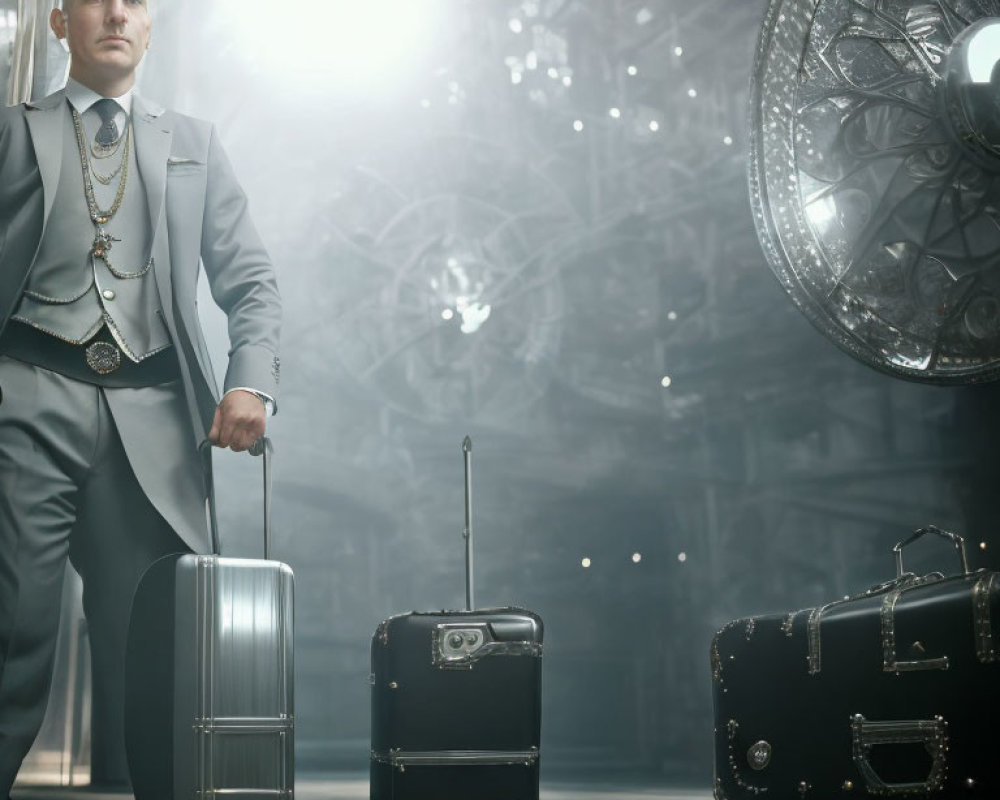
<point>888,693</point>
<point>209,665</point>
<point>456,700</point>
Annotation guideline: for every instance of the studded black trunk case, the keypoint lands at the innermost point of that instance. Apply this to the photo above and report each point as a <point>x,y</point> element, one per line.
<point>892,693</point>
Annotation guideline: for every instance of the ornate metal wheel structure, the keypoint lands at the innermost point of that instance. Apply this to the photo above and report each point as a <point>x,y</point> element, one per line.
<point>875,177</point>
<point>459,309</point>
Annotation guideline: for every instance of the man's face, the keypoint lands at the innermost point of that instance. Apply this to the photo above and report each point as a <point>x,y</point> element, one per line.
<point>107,39</point>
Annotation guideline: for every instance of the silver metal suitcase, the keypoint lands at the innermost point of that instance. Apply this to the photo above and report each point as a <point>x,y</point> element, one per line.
<point>209,692</point>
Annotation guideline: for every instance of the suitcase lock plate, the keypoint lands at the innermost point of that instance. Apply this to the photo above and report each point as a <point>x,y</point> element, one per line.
<point>459,644</point>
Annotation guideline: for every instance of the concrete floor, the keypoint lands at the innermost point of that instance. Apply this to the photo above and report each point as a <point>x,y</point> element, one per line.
<point>352,787</point>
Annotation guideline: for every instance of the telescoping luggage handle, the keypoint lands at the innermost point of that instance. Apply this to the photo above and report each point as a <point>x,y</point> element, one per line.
<point>467,531</point>
<point>262,447</point>
<point>954,538</point>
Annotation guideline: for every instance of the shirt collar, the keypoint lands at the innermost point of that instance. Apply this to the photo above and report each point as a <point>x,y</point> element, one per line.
<point>83,98</point>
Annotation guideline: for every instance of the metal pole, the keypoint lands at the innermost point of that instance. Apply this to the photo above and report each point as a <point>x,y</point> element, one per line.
<point>266,453</point>
<point>23,53</point>
<point>467,532</point>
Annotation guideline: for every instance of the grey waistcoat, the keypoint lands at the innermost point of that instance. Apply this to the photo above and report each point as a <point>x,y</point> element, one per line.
<point>69,294</point>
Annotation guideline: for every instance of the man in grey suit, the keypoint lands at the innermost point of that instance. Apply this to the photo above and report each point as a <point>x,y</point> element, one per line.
<point>109,206</point>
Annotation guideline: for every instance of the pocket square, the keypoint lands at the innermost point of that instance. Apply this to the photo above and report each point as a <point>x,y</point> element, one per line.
<point>177,161</point>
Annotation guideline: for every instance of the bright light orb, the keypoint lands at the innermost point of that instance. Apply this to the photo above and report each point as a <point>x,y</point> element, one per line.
<point>984,52</point>
<point>341,45</point>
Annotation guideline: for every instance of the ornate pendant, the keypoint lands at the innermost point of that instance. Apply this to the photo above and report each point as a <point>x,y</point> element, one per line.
<point>102,244</point>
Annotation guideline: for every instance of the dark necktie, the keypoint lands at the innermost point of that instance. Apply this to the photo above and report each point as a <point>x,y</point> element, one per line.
<point>107,134</point>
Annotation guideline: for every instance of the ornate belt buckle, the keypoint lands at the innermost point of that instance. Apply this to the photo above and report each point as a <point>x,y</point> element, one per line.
<point>103,357</point>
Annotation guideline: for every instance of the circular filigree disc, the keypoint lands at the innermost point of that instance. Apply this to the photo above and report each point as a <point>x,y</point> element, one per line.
<point>876,214</point>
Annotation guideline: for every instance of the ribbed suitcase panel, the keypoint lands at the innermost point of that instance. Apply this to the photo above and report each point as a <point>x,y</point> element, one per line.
<point>233,679</point>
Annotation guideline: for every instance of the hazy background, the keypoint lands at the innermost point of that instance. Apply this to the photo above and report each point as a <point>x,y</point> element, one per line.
<point>528,222</point>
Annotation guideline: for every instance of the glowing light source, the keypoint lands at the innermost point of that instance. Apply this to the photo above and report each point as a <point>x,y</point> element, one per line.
<point>632,69</point>
<point>672,315</point>
<point>347,46</point>
<point>515,25</point>
<point>578,125</point>
<point>447,314</point>
<point>983,52</point>
<point>474,314</point>
<point>567,80</point>
<point>585,563</point>
<point>666,381</point>
<point>552,72</point>
<point>822,213</point>
<point>678,51</point>
<point>516,77</point>
<point>692,92</point>
<point>682,557</point>
<point>615,113</point>
<point>636,558</point>
<point>727,140</point>
<point>654,126</point>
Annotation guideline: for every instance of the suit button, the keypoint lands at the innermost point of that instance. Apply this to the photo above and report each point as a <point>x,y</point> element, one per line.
<point>108,294</point>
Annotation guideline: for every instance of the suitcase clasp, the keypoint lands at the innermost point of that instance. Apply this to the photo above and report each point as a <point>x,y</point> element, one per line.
<point>458,645</point>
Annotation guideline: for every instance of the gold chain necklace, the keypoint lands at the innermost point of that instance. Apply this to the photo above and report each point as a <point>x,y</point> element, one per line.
<point>98,216</point>
<point>104,151</point>
<point>102,239</point>
<point>105,180</point>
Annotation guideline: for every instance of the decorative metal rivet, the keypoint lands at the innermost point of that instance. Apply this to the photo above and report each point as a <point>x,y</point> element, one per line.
<point>970,782</point>
<point>393,685</point>
<point>848,786</point>
<point>759,755</point>
<point>108,294</point>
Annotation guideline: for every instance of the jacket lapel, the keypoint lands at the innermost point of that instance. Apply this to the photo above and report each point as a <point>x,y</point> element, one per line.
<point>45,121</point>
<point>152,148</point>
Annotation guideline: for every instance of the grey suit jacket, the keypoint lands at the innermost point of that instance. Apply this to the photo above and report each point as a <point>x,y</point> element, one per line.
<point>198,213</point>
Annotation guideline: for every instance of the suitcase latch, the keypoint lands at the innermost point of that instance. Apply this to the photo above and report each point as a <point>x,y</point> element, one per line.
<point>458,644</point>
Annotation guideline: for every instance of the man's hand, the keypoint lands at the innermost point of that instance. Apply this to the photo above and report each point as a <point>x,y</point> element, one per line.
<point>239,421</point>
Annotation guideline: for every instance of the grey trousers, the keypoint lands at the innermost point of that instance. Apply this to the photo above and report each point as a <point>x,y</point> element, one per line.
<point>67,489</point>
